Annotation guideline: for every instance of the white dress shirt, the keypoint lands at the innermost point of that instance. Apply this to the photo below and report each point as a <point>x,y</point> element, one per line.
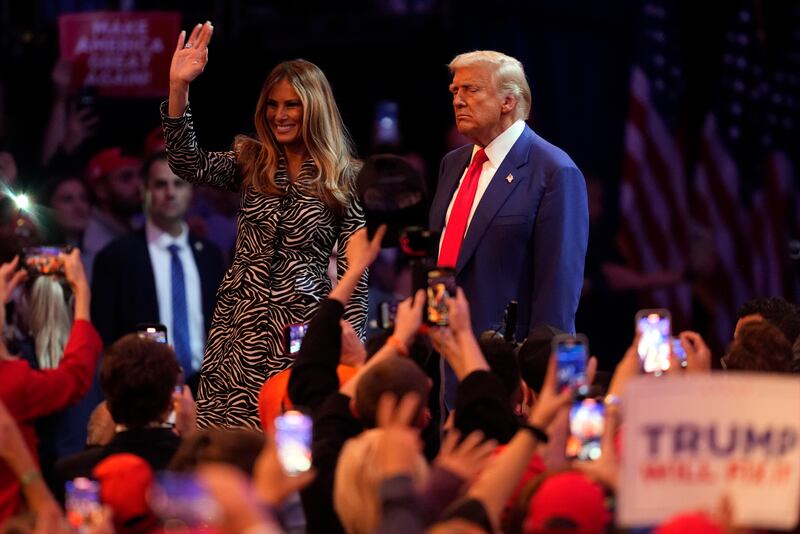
<point>496,151</point>
<point>158,242</point>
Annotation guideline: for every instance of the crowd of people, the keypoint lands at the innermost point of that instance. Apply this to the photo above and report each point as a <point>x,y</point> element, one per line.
<point>453,427</point>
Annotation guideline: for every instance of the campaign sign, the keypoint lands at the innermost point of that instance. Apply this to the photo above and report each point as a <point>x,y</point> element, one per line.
<point>120,53</point>
<point>690,440</point>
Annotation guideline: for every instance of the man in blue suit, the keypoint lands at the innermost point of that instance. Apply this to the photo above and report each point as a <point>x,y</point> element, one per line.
<point>512,208</point>
<point>161,273</point>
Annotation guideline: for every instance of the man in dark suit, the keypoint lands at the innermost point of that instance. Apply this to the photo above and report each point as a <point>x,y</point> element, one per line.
<point>160,274</point>
<point>512,208</point>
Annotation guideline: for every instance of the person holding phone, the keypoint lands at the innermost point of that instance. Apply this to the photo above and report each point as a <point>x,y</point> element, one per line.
<point>58,379</point>
<point>296,178</point>
<point>512,208</point>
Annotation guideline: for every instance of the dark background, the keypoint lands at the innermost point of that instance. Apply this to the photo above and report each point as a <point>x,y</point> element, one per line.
<point>577,55</point>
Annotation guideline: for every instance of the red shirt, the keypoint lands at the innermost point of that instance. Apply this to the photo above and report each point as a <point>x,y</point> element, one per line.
<point>29,394</point>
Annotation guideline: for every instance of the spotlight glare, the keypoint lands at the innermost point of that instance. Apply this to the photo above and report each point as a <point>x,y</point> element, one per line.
<point>22,201</point>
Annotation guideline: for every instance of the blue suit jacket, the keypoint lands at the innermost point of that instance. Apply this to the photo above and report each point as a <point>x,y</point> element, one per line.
<point>527,238</point>
<point>124,287</point>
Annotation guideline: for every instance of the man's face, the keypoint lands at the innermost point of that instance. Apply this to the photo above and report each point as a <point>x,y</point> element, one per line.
<point>123,188</point>
<point>482,113</point>
<point>167,197</point>
<point>70,205</point>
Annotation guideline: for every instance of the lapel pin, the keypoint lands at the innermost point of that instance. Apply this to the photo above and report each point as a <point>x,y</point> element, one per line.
<point>198,246</point>
<point>509,178</point>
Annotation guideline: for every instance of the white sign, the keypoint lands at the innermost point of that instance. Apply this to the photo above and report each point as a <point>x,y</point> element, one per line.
<point>690,440</point>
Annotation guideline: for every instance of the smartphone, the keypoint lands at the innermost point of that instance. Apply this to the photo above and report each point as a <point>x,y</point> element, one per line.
<point>293,439</point>
<point>44,260</point>
<point>387,312</point>
<point>293,337</point>
<point>181,498</point>
<point>654,328</point>
<point>571,355</point>
<point>82,500</point>
<point>156,332</point>
<point>678,352</point>
<point>441,286</point>
<point>586,424</point>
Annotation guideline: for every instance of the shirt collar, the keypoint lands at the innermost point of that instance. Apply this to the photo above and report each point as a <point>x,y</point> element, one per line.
<point>501,145</point>
<point>158,237</point>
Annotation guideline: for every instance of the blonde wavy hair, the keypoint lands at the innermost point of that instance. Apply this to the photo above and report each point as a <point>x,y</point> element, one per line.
<point>323,132</point>
<point>49,319</point>
<point>356,498</point>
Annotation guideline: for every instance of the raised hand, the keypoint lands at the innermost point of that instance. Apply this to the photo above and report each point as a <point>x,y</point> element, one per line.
<point>550,401</point>
<point>61,77</point>
<point>399,446</point>
<point>81,125</point>
<point>361,250</point>
<point>270,481</point>
<point>191,55</point>
<point>458,312</point>
<point>74,271</point>
<point>698,355</point>
<point>409,317</point>
<point>467,458</point>
<point>76,277</point>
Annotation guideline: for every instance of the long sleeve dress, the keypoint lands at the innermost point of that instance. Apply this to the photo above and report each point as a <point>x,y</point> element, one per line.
<point>278,275</point>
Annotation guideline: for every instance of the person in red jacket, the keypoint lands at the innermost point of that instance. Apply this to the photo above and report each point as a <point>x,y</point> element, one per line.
<point>29,393</point>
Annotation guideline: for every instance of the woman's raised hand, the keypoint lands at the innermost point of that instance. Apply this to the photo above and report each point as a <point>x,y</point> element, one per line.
<point>191,55</point>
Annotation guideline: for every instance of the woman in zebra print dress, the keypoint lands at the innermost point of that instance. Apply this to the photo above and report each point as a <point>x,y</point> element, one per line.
<point>296,179</point>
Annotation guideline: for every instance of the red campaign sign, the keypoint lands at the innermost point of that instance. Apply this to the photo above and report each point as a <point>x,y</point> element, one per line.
<point>120,53</point>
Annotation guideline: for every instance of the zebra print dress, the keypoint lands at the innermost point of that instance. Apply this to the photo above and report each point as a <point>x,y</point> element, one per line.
<point>278,275</point>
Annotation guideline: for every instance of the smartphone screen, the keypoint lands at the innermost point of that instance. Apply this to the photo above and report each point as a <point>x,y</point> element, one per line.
<point>155,332</point>
<point>293,439</point>
<point>571,354</point>
<point>678,352</point>
<point>43,260</point>
<point>82,499</point>
<point>654,340</point>
<point>387,314</point>
<point>586,424</point>
<point>441,286</point>
<point>293,337</point>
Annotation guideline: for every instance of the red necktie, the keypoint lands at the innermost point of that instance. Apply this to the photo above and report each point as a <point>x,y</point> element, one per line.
<point>459,215</point>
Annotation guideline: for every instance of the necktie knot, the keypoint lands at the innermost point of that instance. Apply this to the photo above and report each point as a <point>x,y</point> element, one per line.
<point>480,157</point>
<point>173,249</point>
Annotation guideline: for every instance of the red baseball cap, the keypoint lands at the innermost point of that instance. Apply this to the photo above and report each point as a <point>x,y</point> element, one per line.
<point>107,161</point>
<point>125,480</point>
<point>570,496</point>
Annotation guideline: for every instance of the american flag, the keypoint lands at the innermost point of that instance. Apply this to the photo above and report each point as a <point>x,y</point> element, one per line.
<point>654,202</point>
<point>743,179</point>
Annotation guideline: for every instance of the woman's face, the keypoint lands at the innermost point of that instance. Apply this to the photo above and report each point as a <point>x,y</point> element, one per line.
<point>71,206</point>
<point>285,115</point>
